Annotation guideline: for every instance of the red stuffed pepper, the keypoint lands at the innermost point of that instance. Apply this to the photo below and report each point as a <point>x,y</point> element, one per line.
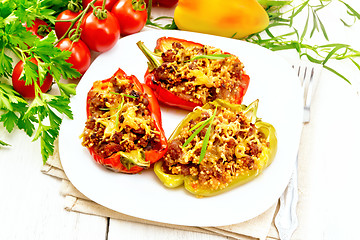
<point>123,130</point>
<point>186,74</point>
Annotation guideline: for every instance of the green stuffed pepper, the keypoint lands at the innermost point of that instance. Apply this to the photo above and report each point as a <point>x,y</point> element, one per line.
<point>217,147</point>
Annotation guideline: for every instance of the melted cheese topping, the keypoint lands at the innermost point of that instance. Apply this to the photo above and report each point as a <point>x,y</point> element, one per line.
<point>119,118</point>
<point>199,78</point>
<point>235,147</point>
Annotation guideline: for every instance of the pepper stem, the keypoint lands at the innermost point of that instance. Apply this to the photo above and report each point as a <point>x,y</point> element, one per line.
<point>155,60</point>
<point>251,110</point>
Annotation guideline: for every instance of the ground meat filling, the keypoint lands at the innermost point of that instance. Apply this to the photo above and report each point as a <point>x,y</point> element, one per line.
<point>235,146</point>
<point>201,80</point>
<point>119,119</point>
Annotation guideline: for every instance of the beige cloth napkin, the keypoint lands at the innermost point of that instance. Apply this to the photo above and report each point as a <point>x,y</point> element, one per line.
<point>260,227</point>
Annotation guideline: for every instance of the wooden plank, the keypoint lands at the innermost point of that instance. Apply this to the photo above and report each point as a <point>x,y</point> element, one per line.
<point>130,230</point>
<point>30,204</point>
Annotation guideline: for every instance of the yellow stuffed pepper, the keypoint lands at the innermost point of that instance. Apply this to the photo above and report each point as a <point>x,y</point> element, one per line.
<point>217,147</point>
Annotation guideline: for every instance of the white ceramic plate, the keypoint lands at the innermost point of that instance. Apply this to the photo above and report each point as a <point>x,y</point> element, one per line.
<point>272,81</point>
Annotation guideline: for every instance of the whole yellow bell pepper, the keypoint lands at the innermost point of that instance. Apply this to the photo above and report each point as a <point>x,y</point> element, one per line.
<point>231,18</point>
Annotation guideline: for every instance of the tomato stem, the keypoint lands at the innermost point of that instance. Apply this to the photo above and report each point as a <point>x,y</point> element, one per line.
<point>79,17</point>
<point>43,30</point>
<point>100,13</point>
<point>138,5</point>
<point>103,5</point>
<point>75,6</point>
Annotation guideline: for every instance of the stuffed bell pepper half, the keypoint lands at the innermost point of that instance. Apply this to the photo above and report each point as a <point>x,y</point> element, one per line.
<point>186,74</point>
<point>123,130</point>
<point>217,147</point>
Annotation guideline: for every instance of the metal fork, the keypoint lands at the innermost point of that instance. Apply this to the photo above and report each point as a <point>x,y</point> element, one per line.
<point>286,220</point>
<point>306,75</point>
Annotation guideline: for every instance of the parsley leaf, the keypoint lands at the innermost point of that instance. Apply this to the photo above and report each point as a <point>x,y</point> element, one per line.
<point>40,118</point>
<point>9,119</point>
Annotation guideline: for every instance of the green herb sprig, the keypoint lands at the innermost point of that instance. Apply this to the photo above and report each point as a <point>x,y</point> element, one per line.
<point>153,22</point>
<point>283,15</point>
<point>119,109</point>
<point>2,143</point>
<point>169,26</point>
<point>123,94</point>
<point>211,56</point>
<point>198,127</point>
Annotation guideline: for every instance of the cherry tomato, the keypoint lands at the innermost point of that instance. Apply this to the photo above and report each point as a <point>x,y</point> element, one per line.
<point>28,91</point>
<point>62,27</point>
<point>163,3</point>
<point>80,54</point>
<point>131,15</point>
<point>100,35</point>
<point>39,28</point>
<point>108,4</point>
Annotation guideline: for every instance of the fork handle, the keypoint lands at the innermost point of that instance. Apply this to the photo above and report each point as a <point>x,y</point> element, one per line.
<point>286,220</point>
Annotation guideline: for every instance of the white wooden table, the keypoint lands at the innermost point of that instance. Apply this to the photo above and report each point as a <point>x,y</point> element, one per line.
<point>31,206</point>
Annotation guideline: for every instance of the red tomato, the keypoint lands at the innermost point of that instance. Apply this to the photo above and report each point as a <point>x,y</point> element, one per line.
<point>131,17</point>
<point>108,5</point>
<point>80,54</point>
<point>62,27</point>
<point>28,91</point>
<point>163,3</point>
<point>39,28</point>
<point>100,35</point>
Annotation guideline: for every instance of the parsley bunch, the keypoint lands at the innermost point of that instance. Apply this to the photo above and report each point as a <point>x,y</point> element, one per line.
<point>41,117</point>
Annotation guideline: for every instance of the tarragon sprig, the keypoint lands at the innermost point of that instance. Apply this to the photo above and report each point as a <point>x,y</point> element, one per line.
<point>211,56</point>
<point>283,15</point>
<point>120,107</point>
<point>152,23</point>
<point>198,127</point>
